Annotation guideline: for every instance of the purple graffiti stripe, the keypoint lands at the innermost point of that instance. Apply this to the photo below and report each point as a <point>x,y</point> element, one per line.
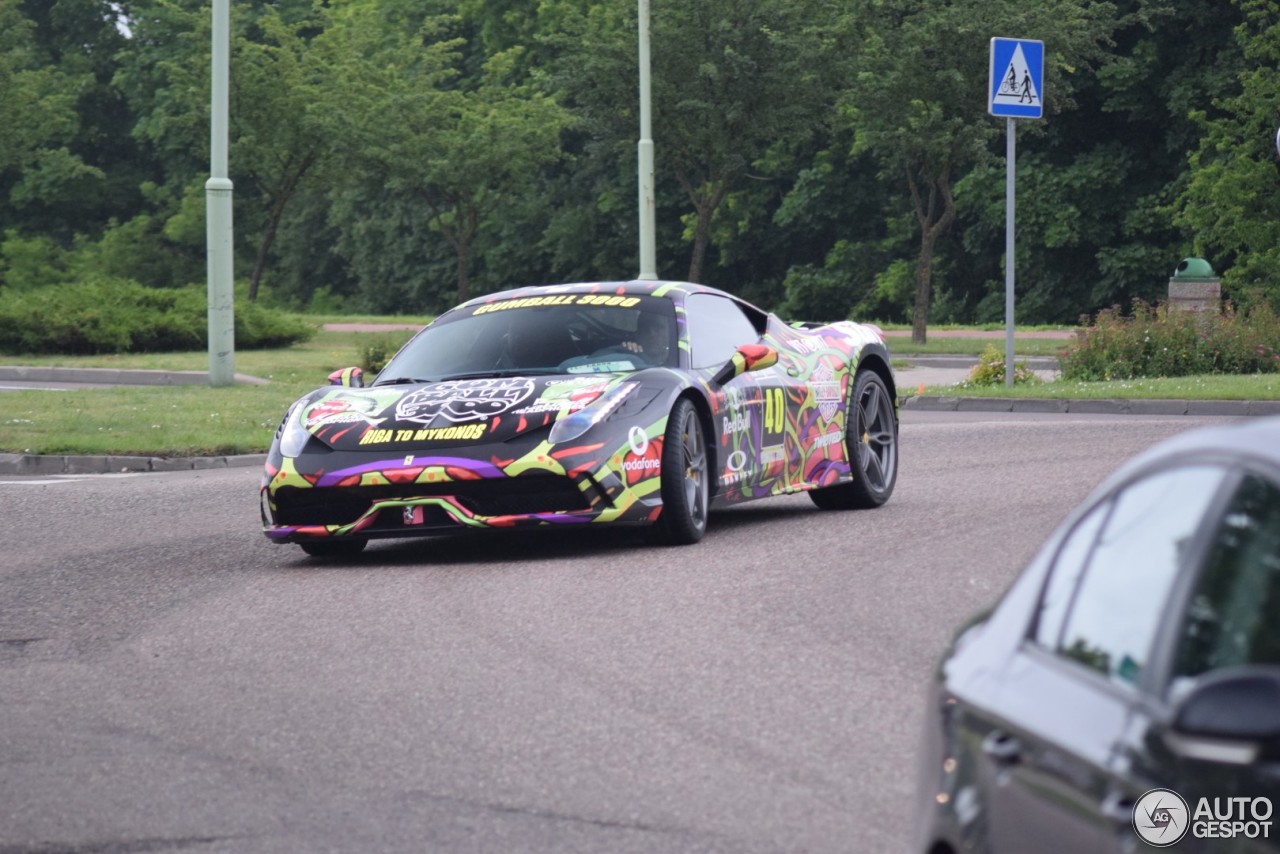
<point>824,469</point>
<point>478,467</point>
<point>560,518</point>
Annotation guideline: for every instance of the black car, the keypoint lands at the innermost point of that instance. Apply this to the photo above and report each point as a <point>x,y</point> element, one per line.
<point>596,403</point>
<point>1125,692</point>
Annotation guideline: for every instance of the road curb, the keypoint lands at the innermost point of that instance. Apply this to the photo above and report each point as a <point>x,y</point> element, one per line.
<point>113,376</point>
<point>50,464</point>
<point>1109,406</point>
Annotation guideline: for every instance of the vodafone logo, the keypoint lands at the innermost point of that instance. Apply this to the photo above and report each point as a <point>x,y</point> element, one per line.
<point>641,463</point>
<point>638,441</point>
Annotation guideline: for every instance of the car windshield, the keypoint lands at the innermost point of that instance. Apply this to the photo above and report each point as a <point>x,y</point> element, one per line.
<point>550,334</point>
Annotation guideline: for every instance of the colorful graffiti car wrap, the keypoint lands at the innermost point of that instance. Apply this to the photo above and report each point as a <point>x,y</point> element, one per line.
<point>550,406</point>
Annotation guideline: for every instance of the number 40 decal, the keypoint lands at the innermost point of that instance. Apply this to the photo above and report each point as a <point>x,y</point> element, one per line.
<point>775,412</point>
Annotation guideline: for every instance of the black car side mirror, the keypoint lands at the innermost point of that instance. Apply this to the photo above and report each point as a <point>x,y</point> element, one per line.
<point>1230,716</point>
<point>747,358</point>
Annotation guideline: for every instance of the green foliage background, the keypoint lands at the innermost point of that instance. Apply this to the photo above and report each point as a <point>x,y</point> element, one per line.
<point>109,315</point>
<point>825,159</point>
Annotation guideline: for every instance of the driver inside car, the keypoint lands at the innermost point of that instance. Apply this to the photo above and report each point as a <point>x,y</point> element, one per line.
<point>652,340</point>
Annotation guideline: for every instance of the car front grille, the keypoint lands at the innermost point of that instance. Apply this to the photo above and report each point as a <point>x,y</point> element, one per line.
<point>513,496</point>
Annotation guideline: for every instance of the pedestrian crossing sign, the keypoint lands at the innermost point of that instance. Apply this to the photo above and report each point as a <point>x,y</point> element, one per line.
<point>1016,84</point>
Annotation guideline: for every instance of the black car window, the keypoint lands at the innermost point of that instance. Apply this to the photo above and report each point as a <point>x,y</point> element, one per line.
<point>717,326</point>
<point>1234,613</point>
<point>1067,566</point>
<point>1123,591</point>
<point>546,333</point>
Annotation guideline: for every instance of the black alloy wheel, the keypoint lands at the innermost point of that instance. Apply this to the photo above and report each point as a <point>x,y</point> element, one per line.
<point>685,478</point>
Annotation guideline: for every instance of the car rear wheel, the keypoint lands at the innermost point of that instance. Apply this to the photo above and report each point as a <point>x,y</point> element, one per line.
<point>685,482</point>
<point>334,548</point>
<point>871,441</point>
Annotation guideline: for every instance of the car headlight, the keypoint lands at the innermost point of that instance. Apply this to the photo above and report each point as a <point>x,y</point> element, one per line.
<point>575,424</point>
<point>293,436</point>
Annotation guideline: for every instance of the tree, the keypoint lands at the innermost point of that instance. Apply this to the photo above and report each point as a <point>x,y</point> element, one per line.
<point>731,79</point>
<point>1095,187</point>
<point>1231,203</point>
<point>415,128</point>
<point>100,179</point>
<point>278,140</point>
<point>918,96</point>
<point>38,118</point>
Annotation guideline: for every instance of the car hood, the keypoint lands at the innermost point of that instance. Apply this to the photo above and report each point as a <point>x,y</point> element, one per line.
<point>455,411</point>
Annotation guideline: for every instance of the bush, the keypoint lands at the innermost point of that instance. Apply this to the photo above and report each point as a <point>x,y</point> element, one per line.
<point>376,352</point>
<point>1160,342</point>
<point>31,262</point>
<point>106,315</point>
<point>990,370</point>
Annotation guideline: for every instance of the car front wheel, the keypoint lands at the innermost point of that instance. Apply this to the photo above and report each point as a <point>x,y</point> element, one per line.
<point>685,481</point>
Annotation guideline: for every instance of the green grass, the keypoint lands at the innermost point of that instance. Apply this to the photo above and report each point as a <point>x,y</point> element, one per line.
<point>159,421</point>
<point>170,421</point>
<point>1210,387</point>
<point>993,328</point>
<point>174,421</point>
<point>393,319</point>
<point>315,358</point>
<point>902,346</point>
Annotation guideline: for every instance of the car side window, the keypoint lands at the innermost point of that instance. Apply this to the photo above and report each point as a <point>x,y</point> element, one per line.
<point>716,328</point>
<point>1125,579</point>
<point>1234,610</point>
<point>1072,556</point>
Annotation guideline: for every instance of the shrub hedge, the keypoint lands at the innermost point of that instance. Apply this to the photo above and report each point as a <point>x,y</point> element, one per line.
<point>109,315</point>
<point>990,370</point>
<point>1157,341</point>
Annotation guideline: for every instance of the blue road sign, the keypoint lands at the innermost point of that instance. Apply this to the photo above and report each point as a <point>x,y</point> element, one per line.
<point>1016,84</point>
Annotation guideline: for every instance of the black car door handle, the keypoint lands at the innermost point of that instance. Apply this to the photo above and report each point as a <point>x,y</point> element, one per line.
<point>1002,747</point>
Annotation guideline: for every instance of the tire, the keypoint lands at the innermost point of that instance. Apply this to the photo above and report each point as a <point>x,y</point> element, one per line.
<point>685,479</point>
<point>871,442</point>
<point>334,548</point>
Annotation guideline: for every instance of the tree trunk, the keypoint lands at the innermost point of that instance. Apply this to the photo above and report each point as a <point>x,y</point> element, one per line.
<point>463,250</point>
<point>699,255</point>
<point>933,224</point>
<point>924,288</point>
<point>279,200</point>
<point>705,199</point>
<point>264,249</point>
<point>460,235</point>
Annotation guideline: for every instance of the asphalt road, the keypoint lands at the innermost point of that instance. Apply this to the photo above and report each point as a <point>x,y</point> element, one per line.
<point>171,682</point>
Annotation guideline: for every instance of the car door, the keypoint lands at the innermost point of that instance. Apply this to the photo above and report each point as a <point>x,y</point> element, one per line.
<point>1228,617</point>
<point>1063,701</point>
<point>752,431</point>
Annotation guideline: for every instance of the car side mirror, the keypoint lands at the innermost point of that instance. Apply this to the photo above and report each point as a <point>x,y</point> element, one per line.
<point>350,377</point>
<point>747,358</point>
<point>1230,716</point>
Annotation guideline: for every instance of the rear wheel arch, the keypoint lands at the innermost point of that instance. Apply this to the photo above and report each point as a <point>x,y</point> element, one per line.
<point>875,361</point>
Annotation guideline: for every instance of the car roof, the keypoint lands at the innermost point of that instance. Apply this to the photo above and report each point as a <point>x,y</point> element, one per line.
<point>1255,439</point>
<point>635,287</point>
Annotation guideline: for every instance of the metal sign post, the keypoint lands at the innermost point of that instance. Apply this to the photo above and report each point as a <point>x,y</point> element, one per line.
<point>1016,91</point>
